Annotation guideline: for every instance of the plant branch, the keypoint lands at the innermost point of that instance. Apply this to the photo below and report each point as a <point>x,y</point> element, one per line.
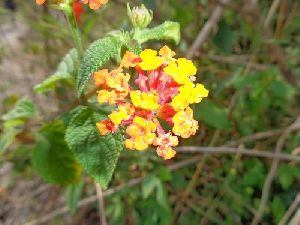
<point>247,152</point>
<point>101,204</point>
<point>271,12</point>
<point>290,210</point>
<point>136,181</point>
<point>272,173</point>
<point>275,49</point>
<point>109,192</point>
<point>68,10</point>
<point>207,28</point>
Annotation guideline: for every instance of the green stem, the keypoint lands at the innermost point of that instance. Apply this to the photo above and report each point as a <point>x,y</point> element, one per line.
<point>68,10</point>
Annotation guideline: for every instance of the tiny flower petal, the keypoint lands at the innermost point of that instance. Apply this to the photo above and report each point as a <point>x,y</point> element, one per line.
<point>141,133</point>
<point>184,124</point>
<point>111,97</point>
<point>187,67</point>
<point>118,82</point>
<point>106,126</point>
<point>40,2</point>
<point>166,53</point>
<point>130,60</point>
<point>100,77</point>
<point>150,60</point>
<point>95,4</point>
<point>144,100</point>
<point>123,113</point>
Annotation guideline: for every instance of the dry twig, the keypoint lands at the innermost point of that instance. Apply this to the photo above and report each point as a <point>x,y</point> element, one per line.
<point>206,30</point>
<point>228,150</point>
<point>290,210</point>
<point>272,173</point>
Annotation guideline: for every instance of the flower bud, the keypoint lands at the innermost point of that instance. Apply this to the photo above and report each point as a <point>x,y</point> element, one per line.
<point>140,17</point>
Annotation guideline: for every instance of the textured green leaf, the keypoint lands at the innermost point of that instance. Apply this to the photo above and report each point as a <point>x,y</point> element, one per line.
<point>97,154</point>
<point>51,157</point>
<point>73,195</point>
<point>6,139</point>
<point>166,31</point>
<point>95,57</point>
<point>212,114</point>
<point>23,110</point>
<point>66,70</point>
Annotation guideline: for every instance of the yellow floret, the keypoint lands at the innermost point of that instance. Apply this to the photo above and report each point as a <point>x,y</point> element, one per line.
<point>144,100</point>
<point>181,71</point>
<point>166,53</point>
<point>184,124</point>
<point>150,60</point>
<point>141,133</point>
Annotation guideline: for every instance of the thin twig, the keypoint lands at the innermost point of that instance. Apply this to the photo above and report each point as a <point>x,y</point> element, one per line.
<point>101,204</point>
<point>276,50</point>
<point>272,173</point>
<point>254,137</point>
<point>206,30</point>
<point>248,152</point>
<point>238,60</point>
<point>296,219</point>
<point>271,12</point>
<point>109,192</point>
<point>132,183</point>
<point>290,210</point>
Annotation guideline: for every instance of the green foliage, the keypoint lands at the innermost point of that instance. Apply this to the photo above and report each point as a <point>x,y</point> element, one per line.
<point>259,99</point>
<point>287,174</point>
<point>66,71</point>
<point>134,46</point>
<point>6,139</point>
<point>254,174</point>
<point>51,157</point>
<point>225,37</point>
<point>149,184</point>
<point>95,57</point>
<point>212,115</point>
<point>166,31</point>
<point>23,110</point>
<point>152,213</point>
<point>73,195</point>
<point>97,154</point>
<point>277,209</point>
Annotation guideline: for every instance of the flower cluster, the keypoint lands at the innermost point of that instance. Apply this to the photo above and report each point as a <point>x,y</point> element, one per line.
<point>93,4</point>
<point>155,105</point>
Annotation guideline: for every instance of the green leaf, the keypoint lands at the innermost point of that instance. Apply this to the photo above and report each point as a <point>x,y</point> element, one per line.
<point>23,110</point>
<point>6,139</point>
<point>225,37</point>
<point>166,31</point>
<point>278,209</point>
<point>66,71</point>
<point>95,57</point>
<point>97,154</point>
<point>149,184</point>
<point>73,195</point>
<point>51,157</point>
<point>212,115</point>
<point>287,174</point>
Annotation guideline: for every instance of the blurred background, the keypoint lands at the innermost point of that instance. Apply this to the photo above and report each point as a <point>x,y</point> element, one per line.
<point>248,56</point>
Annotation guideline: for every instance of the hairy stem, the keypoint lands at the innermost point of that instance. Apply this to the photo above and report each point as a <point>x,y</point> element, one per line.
<point>68,10</point>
